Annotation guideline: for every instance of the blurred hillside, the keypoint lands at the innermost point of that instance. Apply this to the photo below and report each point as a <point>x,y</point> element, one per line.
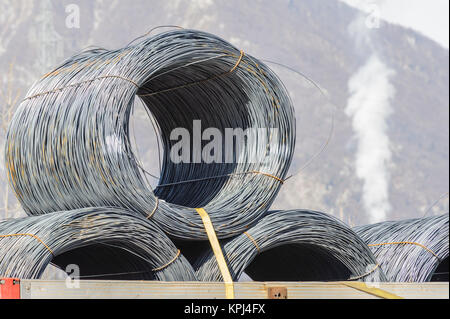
<point>310,36</point>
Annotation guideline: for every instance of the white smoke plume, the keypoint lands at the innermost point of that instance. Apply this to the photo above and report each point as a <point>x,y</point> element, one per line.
<point>369,106</point>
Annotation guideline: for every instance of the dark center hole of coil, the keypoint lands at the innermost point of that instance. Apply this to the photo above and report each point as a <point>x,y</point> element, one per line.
<point>441,272</point>
<point>296,262</point>
<point>219,103</point>
<point>104,262</point>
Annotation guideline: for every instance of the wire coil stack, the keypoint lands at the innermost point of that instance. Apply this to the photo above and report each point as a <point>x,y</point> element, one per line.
<point>413,250</point>
<point>70,160</point>
<point>68,145</point>
<point>295,245</point>
<point>106,243</point>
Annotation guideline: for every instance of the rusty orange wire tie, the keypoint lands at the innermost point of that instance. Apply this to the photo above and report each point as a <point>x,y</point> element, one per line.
<point>406,243</point>
<point>30,235</point>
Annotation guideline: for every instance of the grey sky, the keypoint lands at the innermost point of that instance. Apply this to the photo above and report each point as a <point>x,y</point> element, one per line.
<point>429,17</point>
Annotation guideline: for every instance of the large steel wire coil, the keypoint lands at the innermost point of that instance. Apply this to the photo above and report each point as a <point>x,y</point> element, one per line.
<point>68,145</point>
<point>413,250</point>
<point>295,245</point>
<point>105,243</point>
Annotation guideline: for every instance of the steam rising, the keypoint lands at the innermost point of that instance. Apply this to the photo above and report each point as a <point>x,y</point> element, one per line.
<point>369,106</point>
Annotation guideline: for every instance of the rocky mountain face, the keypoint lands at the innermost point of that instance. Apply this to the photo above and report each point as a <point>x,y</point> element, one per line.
<point>313,37</point>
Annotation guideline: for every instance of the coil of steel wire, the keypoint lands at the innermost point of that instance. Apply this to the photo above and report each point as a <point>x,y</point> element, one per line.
<point>104,243</point>
<point>412,250</point>
<point>295,245</point>
<point>68,145</point>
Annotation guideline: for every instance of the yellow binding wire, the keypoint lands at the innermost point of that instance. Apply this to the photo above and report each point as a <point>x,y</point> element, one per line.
<point>229,287</point>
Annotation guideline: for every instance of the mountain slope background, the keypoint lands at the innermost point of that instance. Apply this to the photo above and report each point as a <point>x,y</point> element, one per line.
<point>312,37</point>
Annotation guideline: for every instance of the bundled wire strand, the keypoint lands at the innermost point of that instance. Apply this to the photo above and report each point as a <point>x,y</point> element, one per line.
<point>413,250</point>
<point>105,243</point>
<point>68,145</point>
<point>295,245</point>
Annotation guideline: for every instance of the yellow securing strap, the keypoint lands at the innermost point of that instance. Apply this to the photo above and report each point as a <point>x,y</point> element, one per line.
<point>30,235</point>
<point>371,291</point>
<point>229,287</point>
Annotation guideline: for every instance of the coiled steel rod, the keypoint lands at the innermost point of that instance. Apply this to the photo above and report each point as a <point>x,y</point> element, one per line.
<point>295,245</point>
<point>410,250</point>
<point>68,145</point>
<point>105,243</point>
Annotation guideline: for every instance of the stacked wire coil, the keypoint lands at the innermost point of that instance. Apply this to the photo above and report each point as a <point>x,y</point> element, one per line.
<point>104,243</point>
<point>68,145</point>
<point>410,250</point>
<point>298,245</point>
<point>71,162</point>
